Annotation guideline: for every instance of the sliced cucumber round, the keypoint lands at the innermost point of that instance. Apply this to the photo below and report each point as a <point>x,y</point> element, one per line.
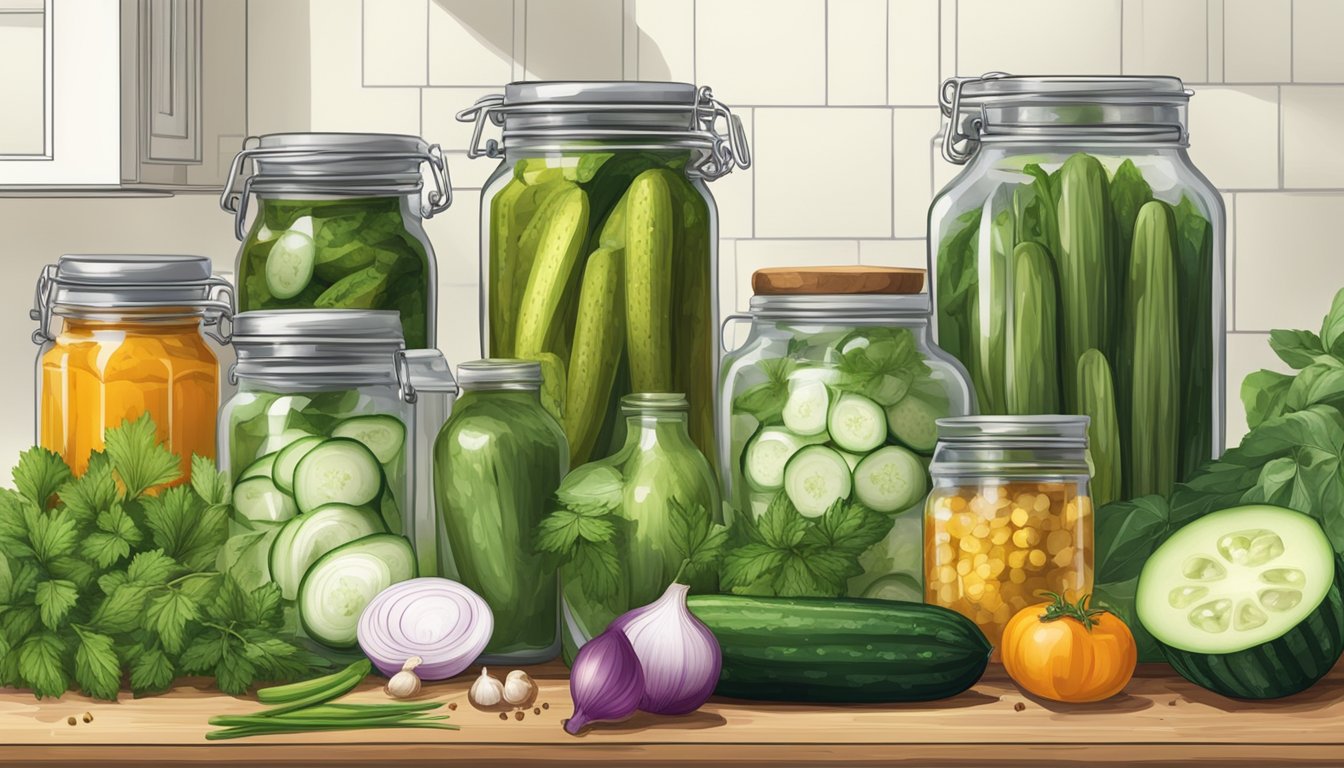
<point>384,435</point>
<point>308,537</point>
<point>815,478</point>
<point>890,479</point>
<point>339,471</point>
<point>260,468</point>
<point>768,452</point>
<point>289,264</point>
<point>857,424</point>
<point>338,587</point>
<point>257,499</point>
<point>276,442</point>
<point>913,421</point>
<point>806,408</point>
<point>287,458</point>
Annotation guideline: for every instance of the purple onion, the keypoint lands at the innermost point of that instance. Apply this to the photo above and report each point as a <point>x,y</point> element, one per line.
<point>605,682</point>
<point>680,657</point>
<point>444,623</point>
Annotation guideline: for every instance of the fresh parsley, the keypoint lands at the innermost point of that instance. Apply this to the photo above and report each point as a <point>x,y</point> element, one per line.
<point>110,576</point>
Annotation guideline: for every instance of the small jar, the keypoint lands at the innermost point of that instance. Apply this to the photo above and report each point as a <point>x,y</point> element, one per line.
<point>131,341</point>
<point>1010,516</point>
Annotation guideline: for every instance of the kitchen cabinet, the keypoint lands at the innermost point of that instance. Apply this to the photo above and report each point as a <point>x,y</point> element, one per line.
<point>1159,718</point>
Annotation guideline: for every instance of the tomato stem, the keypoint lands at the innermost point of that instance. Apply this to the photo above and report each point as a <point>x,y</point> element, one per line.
<point>1081,612</point>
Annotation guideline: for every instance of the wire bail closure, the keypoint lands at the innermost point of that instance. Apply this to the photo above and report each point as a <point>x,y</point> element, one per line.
<point>217,306</point>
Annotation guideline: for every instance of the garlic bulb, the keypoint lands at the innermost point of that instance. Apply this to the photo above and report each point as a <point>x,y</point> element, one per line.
<point>486,692</point>
<point>405,683</point>
<point>519,689</point>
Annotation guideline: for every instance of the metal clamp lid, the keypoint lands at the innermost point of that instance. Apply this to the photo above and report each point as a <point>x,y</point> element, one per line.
<point>359,183</point>
<point>721,150</point>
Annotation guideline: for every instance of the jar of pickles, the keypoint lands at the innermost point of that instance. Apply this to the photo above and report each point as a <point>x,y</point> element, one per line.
<point>1009,518</point>
<point>131,340</point>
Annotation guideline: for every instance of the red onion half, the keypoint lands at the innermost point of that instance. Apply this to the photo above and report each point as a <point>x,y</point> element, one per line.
<point>439,620</point>
<point>605,682</point>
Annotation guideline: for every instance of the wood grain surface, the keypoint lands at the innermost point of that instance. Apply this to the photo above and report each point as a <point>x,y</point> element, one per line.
<point>788,281</point>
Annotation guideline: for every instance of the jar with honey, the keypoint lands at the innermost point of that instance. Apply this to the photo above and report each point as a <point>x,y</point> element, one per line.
<point>1009,520</point>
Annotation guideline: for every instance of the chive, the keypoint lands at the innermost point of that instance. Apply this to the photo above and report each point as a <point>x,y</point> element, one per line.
<point>286,721</point>
<point>279,728</point>
<point>338,685</point>
<point>284,694</point>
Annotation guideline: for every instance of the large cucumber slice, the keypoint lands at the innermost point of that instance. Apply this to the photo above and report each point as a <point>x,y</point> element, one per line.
<point>912,420</point>
<point>308,537</point>
<point>857,424</point>
<point>340,471</point>
<point>890,479</point>
<point>1246,602</point>
<point>815,478</point>
<point>768,452</point>
<point>384,435</point>
<point>341,583</point>
<point>260,468</point>
<point>289,265</point>
<point>806,409</point>
<point>287,458</point>
<point>258,500</point>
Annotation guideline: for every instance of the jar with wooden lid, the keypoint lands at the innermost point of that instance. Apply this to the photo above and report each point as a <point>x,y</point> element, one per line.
<point>833,399</point>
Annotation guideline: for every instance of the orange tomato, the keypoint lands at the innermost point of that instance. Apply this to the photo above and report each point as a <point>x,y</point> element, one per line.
<point>1068,652</point>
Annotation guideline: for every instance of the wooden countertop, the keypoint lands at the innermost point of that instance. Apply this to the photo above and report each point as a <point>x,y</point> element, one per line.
<point>1160,718</point>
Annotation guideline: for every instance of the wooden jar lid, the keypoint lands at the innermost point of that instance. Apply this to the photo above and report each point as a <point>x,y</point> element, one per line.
<point>792,281</point>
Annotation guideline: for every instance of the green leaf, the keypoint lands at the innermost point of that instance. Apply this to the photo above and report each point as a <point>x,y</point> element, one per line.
<point>15,511</point>
<point>1127,532</point>
<point>849,528</point>
<point>52,534</point>
<point>1129,191</point>
<point>815,572</point>
<point>263,606</point>
<point>151,568</point>
<point>781,526</point>
<point>275,658</point>
<point>39,474</point>
<point>203,653</point>
<point>231,603</point>
<point>209,482</point>
<point>122,610</point>
<point>151,670</point>
<point>97,669</point>
<point>17,622</point>
<point>184,528</point>
<point>1296,348</point>
<point>1118,598</point>
<point>598,569</point>
<point>109,581</point>
<point>1318,383</point>
<point>138,458</point>
<point>92,492</point>
<point>167,613</point>
<point>765,401</point>
<point>1332,328</point>
<point>42,664</point>
<point>54,600</point>
<point>73,569</point>
<point>748,563</point>
<point>1264,394</point>
<point>234,673</point>
<point>592,485</point>
<point>697,539</point>
<point>884,369</point>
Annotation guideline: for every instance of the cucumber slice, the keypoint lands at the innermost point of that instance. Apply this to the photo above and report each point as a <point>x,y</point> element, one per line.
<point>308,537</point>
<point>257,499</point>
<point>769,451</point>
<point>890,479</point>
<point>913,419</point>
<point>857,424</point>
<point>384,435</point>
<point>815,478</point>
<point>337,588</point>
<point>340,471</point>
<point>289,265</point>
<point>259,468</point>
<point>278,442</point>
<point>805,410</point>
<point>896,586</point>
<point>287,458</point>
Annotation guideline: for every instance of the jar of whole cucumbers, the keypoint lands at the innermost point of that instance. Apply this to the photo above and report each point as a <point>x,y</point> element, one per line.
<point>1077,266</point>
<point>338,225</point>
<point>599,245</point>
<point>833,397</point>
<point>1009,518</point>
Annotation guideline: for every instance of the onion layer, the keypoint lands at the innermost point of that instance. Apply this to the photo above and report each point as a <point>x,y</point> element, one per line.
<point>441,621</point>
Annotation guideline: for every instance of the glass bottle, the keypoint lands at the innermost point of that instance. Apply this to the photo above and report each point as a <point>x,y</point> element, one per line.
<point>497,464</point>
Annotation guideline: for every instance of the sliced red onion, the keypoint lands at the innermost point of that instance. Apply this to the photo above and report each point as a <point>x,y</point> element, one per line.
<point>605,682</point>
<point>680,657</point>
<point>439,620</point>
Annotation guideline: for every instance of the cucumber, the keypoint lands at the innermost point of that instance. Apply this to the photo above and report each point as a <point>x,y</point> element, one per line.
<point>287,458</point>
<point>308,537</point>
<point>257,499</point>
<point>598,340</point>
<point>1033,363</point>
<point>557,253</point>
<point>815,478</point>
<point>890,479</point>
<point>552,384</point>
<point>841,650</point>
<point>516,219</point>
<point>895,587</point>
<point>289,265</point>
<point>852,459</point>
<point>358,290</point>
<point>857,424</point>
<point>1086,266</point>
<point>649,226</point>
<point>262,467</point>
<point>1246,602</point>
<point>275,443</point>
<point>1096,400</point>
<point>913,419</point>
<point>382,434</point>
<point>337,588</point>
<point>613,229</point>
<point>694,333</point>
<point>767,454</point>
<point>341,471</point>
<point>806,408</point>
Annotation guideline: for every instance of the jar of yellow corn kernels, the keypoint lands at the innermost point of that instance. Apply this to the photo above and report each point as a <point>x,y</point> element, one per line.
<point>1009,518</point>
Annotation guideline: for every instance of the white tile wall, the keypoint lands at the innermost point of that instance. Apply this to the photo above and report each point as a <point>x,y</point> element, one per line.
<point>1257,41</point>
<point>737,42</point>
<point>1166,36</point>
<point>856,52</point>
<point>1311,129</point>
<point>1318,28</point>
<point>1248,156</point>
<point>1038,36</point>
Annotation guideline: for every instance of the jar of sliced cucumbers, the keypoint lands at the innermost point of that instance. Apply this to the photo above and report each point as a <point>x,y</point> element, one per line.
<point>598,245</point>
<point>833,397</point>
<point>319,444</point>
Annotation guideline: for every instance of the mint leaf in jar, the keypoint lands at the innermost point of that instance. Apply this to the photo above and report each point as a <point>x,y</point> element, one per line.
<point>880,364</point>
<point>765,401</point>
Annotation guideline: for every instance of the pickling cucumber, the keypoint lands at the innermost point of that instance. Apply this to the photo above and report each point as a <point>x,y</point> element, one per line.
<point>857,424</point>
<point>913,420</point>
<point>649,223</point>
<point>815,478</point>
<point>358,290</point>
<point>262,467</point>
<point>308,537</point>
<point>807,406</point>
<point>558,248</point>
<point>382,434</point>
<point>258,500</point>
<point>341,471</point>
<point>767,454</point>
<point>598,340</point>
<point>337,588</point>
<point>287,458</point>
<point>890,479</point>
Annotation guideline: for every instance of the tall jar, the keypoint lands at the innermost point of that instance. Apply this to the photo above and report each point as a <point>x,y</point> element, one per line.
<point>338,225</point>
<point>130,340</point>
<point>1009,518</point>
<point>657,480</point>
<point>1079,223</point>
<point>497,464</point>
<point>833,397</point>
<point>599,243</point>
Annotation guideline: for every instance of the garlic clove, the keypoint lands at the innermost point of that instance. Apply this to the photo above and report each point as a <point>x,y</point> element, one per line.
<point>405,683</point>
<point>519,689</point>
<point>486,692</point>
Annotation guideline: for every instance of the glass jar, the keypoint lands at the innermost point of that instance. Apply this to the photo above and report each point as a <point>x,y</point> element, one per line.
<point>610,297</point>
<point>661,474</point>
<point>1009,518</point>
<point>308,378</point>
<point>850,380</point>
<point>497,464</point>
<point>339,225</point>
<point>131,341</point>
<point>1080,218</point>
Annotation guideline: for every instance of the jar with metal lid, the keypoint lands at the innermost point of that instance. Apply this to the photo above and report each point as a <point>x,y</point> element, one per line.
<point>497,464</point>
<point>1010,516</point>
<point>327,415</point>
<point>599,243</point>
<point>131,341</point>
<point>1079,223</point>
<point>339,225</point>
<point>833,398</point>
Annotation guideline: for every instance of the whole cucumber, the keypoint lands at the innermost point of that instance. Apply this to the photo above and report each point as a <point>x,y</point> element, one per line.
<point>693,340</point>
<point>1033,362</point>
<point>517,216</point>
<point>598,339</point>
<point>1086,265</point>
<point>1096,398</point>
<point>561,239</point>
<point>649,232</point>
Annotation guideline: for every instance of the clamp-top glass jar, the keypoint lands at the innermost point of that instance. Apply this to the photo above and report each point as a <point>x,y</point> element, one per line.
<point>130,342</point>
<point>339,225</point>
<point>1078,224</point>
<point>599,243</point>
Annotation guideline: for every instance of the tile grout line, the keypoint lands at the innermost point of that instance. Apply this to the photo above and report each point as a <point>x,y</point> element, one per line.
<point>1278,92</point>
<point>826,50</point>
<point>1231,263</point>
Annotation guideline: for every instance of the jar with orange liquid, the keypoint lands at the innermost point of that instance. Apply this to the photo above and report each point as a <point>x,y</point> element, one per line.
<point>124,335</point>
<point>1009,519</point>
